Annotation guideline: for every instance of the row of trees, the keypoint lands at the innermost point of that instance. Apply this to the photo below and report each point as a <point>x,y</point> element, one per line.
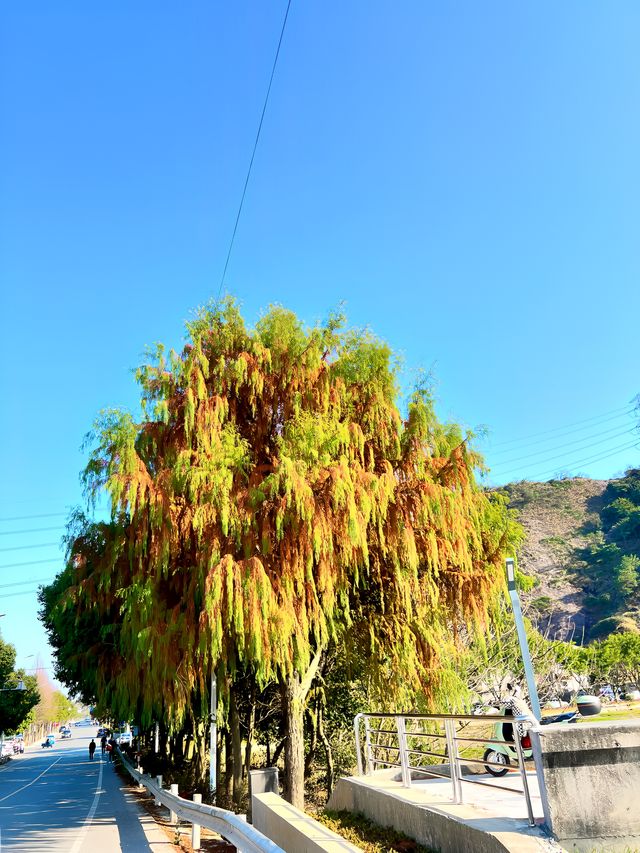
<point>16,706</point>
<point>274,514</point>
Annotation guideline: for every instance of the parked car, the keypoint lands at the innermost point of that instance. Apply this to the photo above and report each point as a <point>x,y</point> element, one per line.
<point>17,745</point>
<point>123,738</point>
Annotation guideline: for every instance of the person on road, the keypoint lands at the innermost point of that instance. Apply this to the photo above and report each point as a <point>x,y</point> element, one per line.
<point>103,744</point>
<point>92,749</point>
<point>112,744</point>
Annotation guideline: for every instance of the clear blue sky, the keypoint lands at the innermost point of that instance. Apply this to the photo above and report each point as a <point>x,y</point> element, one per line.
<point>465,176</point>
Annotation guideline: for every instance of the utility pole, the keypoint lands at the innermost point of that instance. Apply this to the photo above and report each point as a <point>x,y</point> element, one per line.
<point>213,733</point>
<point>522,638</point>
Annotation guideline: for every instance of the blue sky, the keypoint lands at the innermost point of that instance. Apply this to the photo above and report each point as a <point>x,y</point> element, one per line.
<point>464,176</point>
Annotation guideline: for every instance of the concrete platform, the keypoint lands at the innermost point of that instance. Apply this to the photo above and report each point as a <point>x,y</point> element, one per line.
<point>490,820</point>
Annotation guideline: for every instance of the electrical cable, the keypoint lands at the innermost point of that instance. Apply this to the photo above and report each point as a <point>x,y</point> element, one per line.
<point>23,592</point>
<point>25,532</point>
<point>30,517</point>
<point>596,458</point>
<point>255,146</point>
<point>627,409</point>
<point>26,547</point>
<point>568,444</point>
<point>560,435</point>
<point>24,583</point>
<point>19,565</point>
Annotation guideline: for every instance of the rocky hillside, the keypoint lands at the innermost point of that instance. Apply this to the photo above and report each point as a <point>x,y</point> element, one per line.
<point>576,548</point>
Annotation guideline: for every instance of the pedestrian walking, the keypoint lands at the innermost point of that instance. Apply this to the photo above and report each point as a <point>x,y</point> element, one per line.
<point>92,749</point>
<point>103,744</point>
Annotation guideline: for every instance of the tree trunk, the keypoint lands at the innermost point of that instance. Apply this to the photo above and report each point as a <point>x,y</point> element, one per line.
<point>228,764</point>
<point>236,746</point>
<point>294,695</point>
<point>251,724</point>
<point>327,751</point>
<point>312,716</point>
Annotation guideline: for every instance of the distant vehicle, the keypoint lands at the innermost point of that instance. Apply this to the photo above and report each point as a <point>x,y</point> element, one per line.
<point>124,738</point>
<point>18,745</point>
<point>49,741</point>
<point>102,731</point>
<point>66,733</point>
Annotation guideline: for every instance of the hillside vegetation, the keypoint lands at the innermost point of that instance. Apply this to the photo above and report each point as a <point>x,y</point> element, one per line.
<point>582,548</point>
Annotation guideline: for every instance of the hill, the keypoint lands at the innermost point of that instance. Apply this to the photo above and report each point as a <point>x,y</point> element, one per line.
<point>583,550</point>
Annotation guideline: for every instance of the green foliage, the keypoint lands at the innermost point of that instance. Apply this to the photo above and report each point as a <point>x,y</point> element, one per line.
<point>15,705</point>
<point>272,500</point>
<point>616,660</point>
<point>367,835</point>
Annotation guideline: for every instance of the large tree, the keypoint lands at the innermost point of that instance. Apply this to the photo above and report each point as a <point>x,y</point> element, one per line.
<point>274,496</point>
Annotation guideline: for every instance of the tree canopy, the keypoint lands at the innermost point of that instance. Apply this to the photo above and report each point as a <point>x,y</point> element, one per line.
<point>273,495</point>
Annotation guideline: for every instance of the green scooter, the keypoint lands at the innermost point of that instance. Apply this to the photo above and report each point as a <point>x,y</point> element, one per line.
<point>503,753</point>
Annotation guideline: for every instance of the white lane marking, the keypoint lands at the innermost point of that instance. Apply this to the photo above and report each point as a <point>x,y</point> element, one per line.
<point>13,793</point>
<point>92,811</point>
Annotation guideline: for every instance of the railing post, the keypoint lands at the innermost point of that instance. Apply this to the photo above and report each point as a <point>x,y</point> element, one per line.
<point>140,782</point>
<point>173,817</point>
<point>452,749</point>
<point>367,746</point>
<point>356,730</point>
<point>159,781</point>
<point>402,751</point>
<point>523,769</point>
<point>195,828</point>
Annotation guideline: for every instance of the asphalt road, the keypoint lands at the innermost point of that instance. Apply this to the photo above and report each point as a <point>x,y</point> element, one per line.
<point>57,800</point>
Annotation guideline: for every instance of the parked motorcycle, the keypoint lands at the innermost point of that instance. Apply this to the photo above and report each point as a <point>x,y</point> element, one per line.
<point>504,751</point>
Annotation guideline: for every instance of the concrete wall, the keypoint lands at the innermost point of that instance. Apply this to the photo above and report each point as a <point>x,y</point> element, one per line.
<point>591,774</point>
<point>448,829</point>
<point>294,830</point>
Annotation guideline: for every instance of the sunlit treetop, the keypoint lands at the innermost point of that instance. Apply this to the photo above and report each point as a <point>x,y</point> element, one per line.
<point>274,493</point>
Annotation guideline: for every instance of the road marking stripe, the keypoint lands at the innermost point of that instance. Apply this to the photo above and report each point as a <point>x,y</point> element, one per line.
<point>92,811</point>
<point>17,791</point>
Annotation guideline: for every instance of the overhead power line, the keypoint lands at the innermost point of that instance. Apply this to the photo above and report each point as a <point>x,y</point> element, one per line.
<point>569,444</point>
<point>23,592</point>
<point>31,517</point>
<point>255,146</point>
<point>627,409</point>
<point>597,458</point>
<point>25,532</point>
<point>26,547</point>
<point>560,435</point>
<point>30,563</point>
<point>24,583</point>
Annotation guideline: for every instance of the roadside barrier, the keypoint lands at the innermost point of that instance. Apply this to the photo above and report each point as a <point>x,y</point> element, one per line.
<point>410,742</point>
<point>229,825</point>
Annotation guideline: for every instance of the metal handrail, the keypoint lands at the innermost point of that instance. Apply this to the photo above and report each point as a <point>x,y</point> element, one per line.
<point>452,738</point>
<point>228,824</point>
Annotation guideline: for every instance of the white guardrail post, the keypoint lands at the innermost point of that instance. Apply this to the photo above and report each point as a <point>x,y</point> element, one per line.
<point>195,828</point>
<point>356,731</point>
<point>367,746</point>
<point>173,817</point>
<point>229,825</point>
<point>402,752</point>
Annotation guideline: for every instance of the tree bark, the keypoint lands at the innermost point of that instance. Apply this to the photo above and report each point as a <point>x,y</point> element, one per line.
<point>312,716</point>
<point>327,751</point>
<point>294,695</point>
<point>251,724</point>
<point>236,746</point>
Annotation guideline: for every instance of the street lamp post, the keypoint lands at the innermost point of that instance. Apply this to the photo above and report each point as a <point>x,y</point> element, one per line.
<point>522,639</point>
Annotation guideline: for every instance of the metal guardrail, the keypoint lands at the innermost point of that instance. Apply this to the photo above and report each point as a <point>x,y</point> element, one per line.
<point>398,746</point>
<point>229,825</point>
